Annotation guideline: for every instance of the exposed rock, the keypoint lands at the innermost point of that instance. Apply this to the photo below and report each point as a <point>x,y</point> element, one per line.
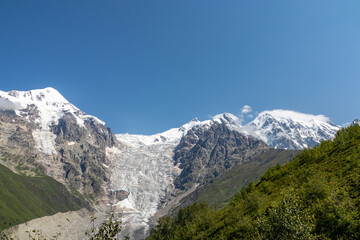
<point>118,195</point>
<point>72,154</point>
<point>83,155</point>
<point>17,144</point>
<point>205,153</point>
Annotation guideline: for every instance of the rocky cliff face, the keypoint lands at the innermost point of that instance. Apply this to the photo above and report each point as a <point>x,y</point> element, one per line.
<point>82,154</point>
<point>41,132</point>
<point>205,153</point>
<point>17,143</point>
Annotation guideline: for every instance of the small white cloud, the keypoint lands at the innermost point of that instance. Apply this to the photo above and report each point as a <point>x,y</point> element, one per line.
<point>245,114</point>
<point>246,109</point>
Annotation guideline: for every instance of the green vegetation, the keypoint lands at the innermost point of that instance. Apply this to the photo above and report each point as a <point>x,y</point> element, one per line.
<point>23,198</point>
<point>316,196</point>
<point>108,229</point>
<point>218,193</point>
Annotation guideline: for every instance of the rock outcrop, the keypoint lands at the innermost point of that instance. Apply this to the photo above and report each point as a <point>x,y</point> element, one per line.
<point>205,153</point>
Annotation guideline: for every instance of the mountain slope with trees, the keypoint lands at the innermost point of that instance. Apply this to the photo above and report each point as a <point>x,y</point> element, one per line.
<point>316,196</point>
<point>219,192</point>
<point>23,198</point>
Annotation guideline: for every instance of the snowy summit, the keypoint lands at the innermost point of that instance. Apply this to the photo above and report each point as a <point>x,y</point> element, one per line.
<point>49,105</point>
<point>291,130</point>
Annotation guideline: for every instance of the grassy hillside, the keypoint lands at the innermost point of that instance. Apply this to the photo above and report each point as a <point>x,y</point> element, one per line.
<point>23,198</point>
<point>316,196</point>
<point>218,193</point>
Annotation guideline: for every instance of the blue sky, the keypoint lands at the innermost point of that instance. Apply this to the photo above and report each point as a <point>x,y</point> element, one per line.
<point>147,66</point>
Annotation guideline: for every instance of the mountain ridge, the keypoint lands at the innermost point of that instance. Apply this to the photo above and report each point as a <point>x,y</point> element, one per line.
<point>287,129</point>
<point>138,174</point>
<point>51,106</point>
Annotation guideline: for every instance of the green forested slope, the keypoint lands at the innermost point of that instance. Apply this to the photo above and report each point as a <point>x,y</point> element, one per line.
<point>218,193</point>
<point>316,196</point>
<point>23,198</point>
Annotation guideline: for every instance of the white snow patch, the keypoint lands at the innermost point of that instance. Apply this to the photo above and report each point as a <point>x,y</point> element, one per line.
<point>125,206</point>
<point>5,104</point>
<point>95,118</point>
<point>230,120</point>
<point>45,141</point>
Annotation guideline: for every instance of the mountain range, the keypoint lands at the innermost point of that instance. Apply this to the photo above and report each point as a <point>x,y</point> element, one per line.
<point>315,196</point>
<point>144,176</point>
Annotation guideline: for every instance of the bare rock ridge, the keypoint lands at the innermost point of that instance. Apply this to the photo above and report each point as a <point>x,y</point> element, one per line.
<point>205,153</point>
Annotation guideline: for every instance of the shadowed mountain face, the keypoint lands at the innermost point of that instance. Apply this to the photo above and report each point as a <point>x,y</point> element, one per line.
<point>205,153</point>
<point>219,192</point>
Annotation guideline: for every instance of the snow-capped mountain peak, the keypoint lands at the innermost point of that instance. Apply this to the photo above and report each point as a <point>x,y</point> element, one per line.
<point>286,115</point>
<point>230,120</point>
<point>47,105</point>
<point>290,129</point>
<point>278,128</point>
<point>44,107</point>
<point>47,96</point>
<point>226,118</point>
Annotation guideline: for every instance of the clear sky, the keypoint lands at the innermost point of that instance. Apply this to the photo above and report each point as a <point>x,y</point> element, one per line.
<point>146,66</point>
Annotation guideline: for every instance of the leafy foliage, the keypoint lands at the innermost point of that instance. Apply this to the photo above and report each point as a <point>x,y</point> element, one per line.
<point>108,229</point>
<point>316,196</point>
<point>287,220</point>
<point>219,192</point>
<point>190,221</point>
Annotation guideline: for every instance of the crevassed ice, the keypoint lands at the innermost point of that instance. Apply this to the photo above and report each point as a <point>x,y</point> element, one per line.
<point>147,173</point>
